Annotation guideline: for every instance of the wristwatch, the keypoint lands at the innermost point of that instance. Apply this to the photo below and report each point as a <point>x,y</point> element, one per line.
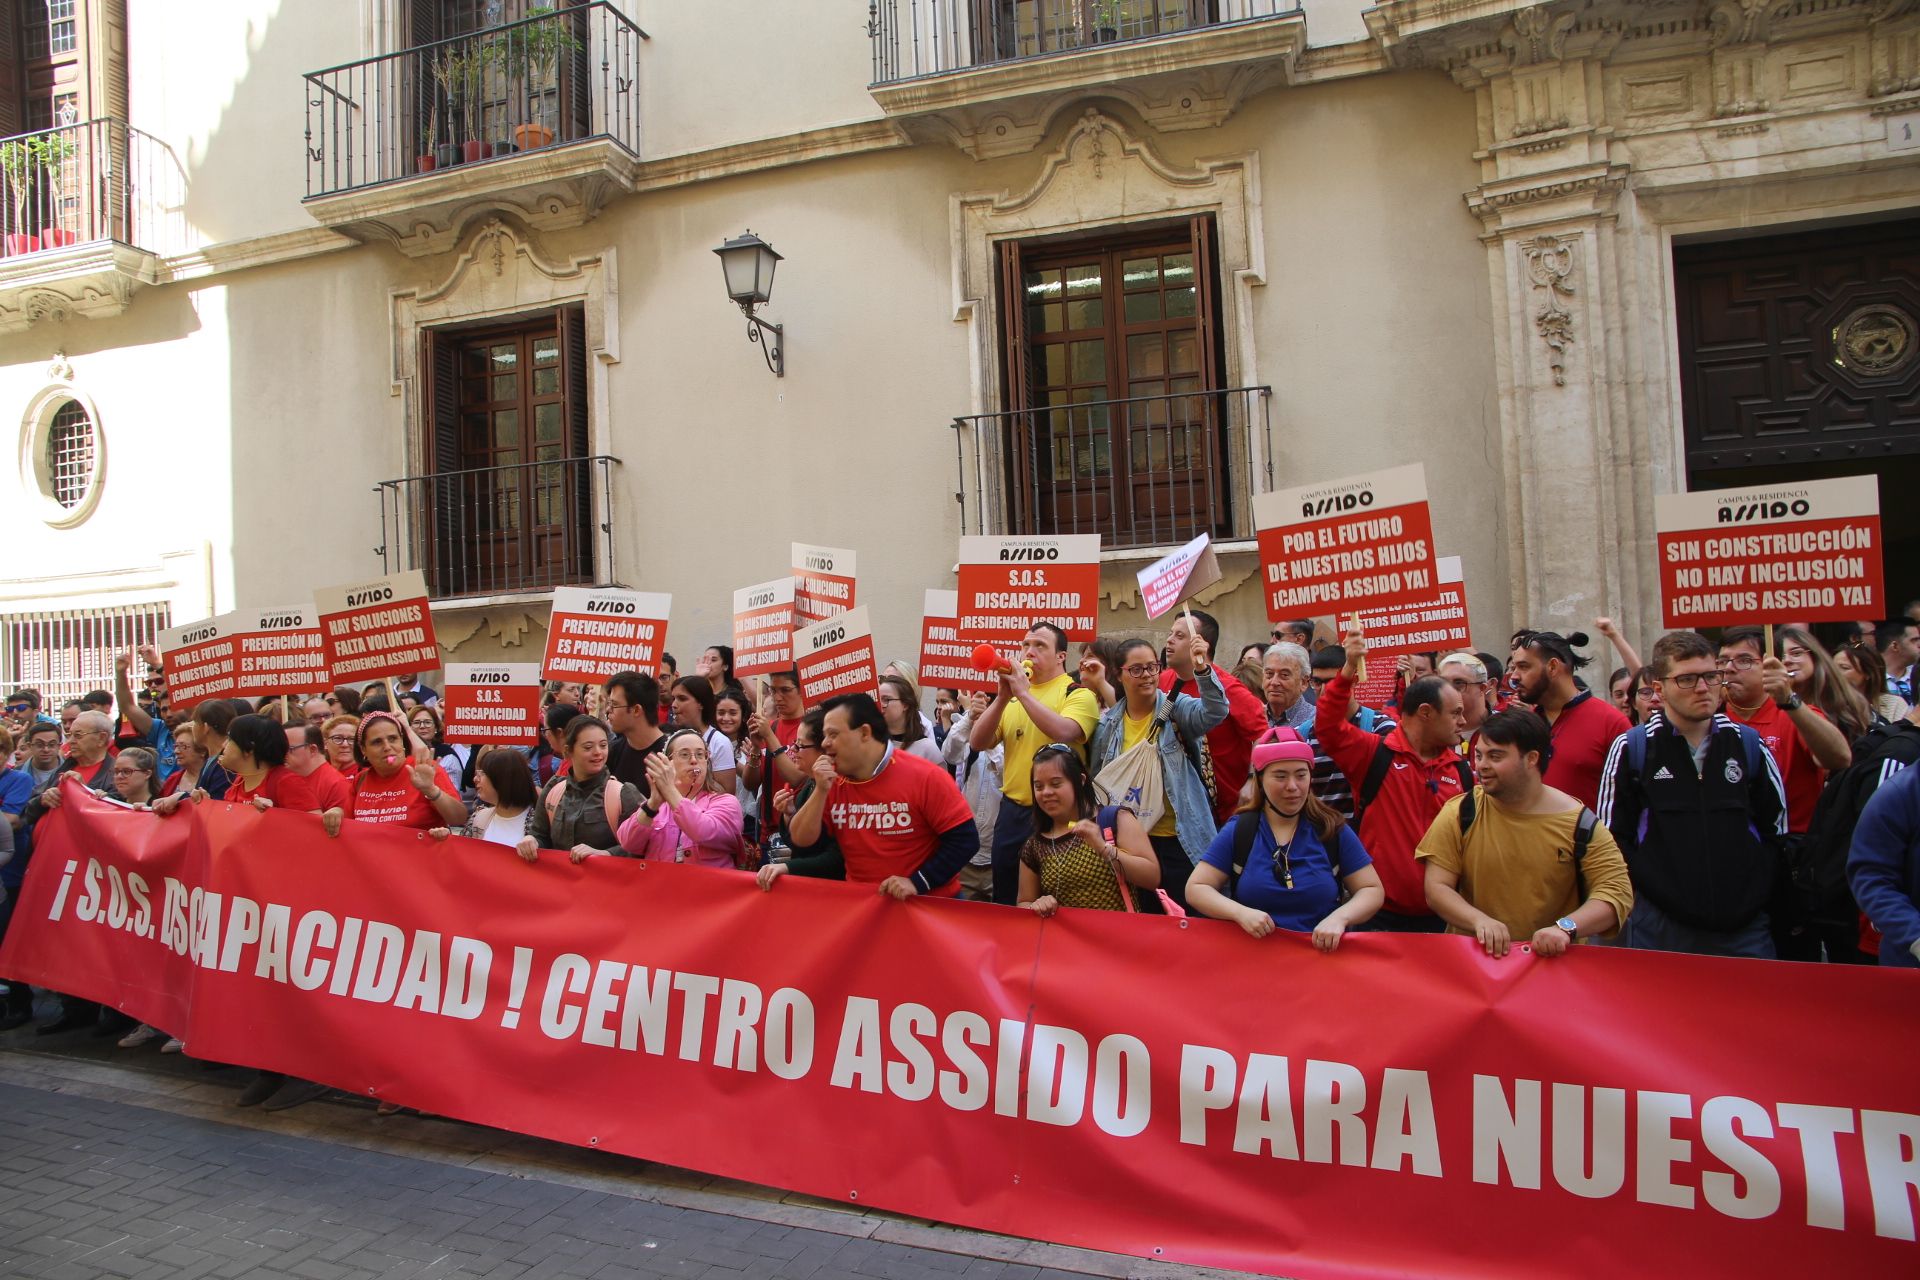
<point>1573,930</point>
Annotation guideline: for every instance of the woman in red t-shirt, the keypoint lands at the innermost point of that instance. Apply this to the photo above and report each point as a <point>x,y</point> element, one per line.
<point>256,755</point>
<point>398,781</point>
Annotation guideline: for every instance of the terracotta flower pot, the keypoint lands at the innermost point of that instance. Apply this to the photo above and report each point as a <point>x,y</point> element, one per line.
<point>531,136</point>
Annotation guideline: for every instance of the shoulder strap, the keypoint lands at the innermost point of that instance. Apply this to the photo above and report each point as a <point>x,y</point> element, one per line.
<point>1376,776</point>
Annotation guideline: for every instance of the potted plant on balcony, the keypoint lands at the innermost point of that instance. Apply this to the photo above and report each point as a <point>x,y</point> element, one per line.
<point>20,166</point>
<point>533,57</point>
<point>54,149</point>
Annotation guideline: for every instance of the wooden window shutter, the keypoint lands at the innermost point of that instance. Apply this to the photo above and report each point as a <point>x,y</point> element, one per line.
<point>1205,300</point>
<point>579,490</point>
<point>437,508</point>
<point>12,117</point>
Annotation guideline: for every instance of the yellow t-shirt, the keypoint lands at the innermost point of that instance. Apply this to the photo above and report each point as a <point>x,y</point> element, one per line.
<point>1132,734</point>
<point>1518,867</point>
<point>1022,740</point>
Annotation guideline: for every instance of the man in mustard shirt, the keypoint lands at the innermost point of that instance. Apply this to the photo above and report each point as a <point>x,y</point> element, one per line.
<point>1528,863</point>
<point>1032,708</point>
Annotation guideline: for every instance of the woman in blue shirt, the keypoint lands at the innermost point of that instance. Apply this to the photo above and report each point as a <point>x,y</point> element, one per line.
<point>1302,853</point>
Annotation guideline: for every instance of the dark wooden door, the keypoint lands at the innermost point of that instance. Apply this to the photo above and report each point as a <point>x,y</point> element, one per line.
<point>1800,349</point>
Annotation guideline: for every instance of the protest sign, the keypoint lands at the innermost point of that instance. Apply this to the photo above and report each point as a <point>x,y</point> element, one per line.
<point>823,583</point>
<point>1009,583</point>
<point>1173,578</point>
<point>496,703</point>
<point>377,628</point>
<point>1421,627</point>
<point>1637,1112</point>
<point>279,653</point>
<point>946,660</point>
<point>1365,542</point>
<point>200,660</point>
<point>763,628</point>
<point>1806,552</point>
<point>836,657</point>
<point>596,631</point>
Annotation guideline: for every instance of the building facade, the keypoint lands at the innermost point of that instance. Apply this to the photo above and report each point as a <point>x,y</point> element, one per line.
<point>297,294</point>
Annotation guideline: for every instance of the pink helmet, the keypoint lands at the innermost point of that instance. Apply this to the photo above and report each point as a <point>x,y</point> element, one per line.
<point>1277,744</point>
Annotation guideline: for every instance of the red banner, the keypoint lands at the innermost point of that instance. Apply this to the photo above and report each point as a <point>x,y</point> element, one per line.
<point>495,703</point>
<point>1804,552</point>
<point>1008,584</point>
<point>946,661</point>
<point>823,582</point>
<point>597,631</point>
<point>763,628</point>
<point>280,653</point>
<point>1365,542</point>
<point>200,660</point>
<point>836,657</point>
<point>378,628</point>
<point>1175,1090</point>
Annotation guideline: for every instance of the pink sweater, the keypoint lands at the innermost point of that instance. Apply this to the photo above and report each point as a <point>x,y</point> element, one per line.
<point>705,830</point>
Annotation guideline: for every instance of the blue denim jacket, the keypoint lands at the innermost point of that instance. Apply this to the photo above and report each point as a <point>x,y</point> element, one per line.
<point>1186,793</point>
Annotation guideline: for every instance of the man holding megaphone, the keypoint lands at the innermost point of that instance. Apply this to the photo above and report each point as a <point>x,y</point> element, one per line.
<point>1037,703</point>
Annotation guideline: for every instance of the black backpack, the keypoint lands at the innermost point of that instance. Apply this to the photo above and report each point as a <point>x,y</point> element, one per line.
<point>1244,830</point>
<point>1817,861</point>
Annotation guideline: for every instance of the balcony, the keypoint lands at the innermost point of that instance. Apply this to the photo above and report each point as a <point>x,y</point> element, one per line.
<point>88,209</point>
<point>1147,472</point>
<point>990,75</point>
<point>490,532</point>
<point>540,116</point>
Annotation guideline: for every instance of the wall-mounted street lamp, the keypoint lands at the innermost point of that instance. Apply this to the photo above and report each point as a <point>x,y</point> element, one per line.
<point>748,262</point>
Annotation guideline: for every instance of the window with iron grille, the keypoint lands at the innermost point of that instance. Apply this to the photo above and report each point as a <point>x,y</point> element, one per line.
<point>70,455</point>
<point>66,653</point>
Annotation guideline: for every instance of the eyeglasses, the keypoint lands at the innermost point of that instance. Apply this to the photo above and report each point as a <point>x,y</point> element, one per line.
<point>1739,662</point>
<point>1694,679</point>
<point>1141,670</point>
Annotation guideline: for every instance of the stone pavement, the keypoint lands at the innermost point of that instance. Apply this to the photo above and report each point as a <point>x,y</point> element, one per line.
<point>136,1165</point>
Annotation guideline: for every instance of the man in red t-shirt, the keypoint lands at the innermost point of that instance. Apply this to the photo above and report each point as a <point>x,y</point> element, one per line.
<point>900,821</point>
<point>307,756</point>
<point>1231,741</point>
<point>1583,727</point>
<point>1804,743</point>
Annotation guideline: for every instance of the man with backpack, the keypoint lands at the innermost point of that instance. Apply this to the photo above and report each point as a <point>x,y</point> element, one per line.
<point>1696,803</point>
<point>1516,858</point>
<point>1400,780</point>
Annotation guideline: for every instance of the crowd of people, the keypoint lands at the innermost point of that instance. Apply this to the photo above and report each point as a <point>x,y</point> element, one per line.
<point>1744,795</point>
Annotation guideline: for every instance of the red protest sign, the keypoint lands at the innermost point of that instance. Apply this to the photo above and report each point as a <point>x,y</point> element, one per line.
<point>945,659</point>
<point>597,631</point>
<point>1421,627</point>
<point>279,653</point>
<point>823,583</point>
<point>1810,551</point>
<point>1172,578</point>
<point>1365,542</point>
<point>836,657</point>
<point>494,704</point>
<point>200,660</point>
<point>763,628</point>
<point>378,628</point>
<point>1008,584</point>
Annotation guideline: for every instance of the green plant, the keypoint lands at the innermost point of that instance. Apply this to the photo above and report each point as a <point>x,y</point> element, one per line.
<point>19,164</point>
<point>534,51</point>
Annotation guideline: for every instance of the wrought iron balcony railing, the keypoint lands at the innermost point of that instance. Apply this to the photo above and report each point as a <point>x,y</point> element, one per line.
<point>1146,471</point>
<point>89,181</point>
<point>926,37</point>
<point>494,530</point>
<point>545,81</point>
